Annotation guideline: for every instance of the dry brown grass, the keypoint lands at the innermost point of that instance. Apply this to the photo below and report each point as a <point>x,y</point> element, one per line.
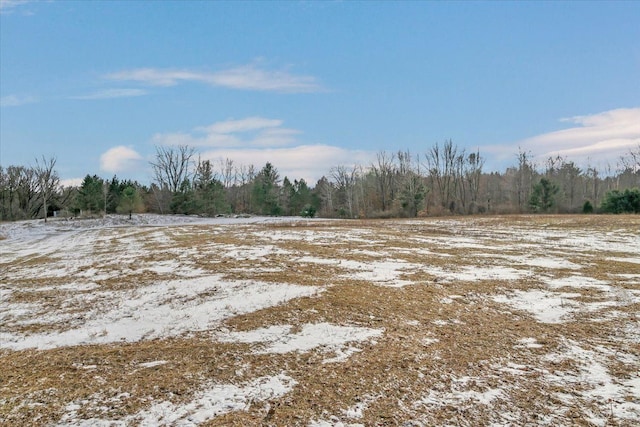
<point>426,349</point>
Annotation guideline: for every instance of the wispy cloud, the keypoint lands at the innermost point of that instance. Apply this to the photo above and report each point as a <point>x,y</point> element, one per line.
<point>247,132</point>
<point>120,159</point>
<point>111,94</point>
<point>242,125</point>
<point>246,77</point>
<point>17,100</point>
<point>310,162</point>
<point>8,6</point>
<point>250,77</point>
<point>258,140</point>
<point>606,134</point>
<point>594,138</point>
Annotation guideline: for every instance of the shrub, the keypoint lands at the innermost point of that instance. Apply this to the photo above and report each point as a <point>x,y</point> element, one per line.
<point>617,202</point>
<point>587,208</point>
<point>308,211</point>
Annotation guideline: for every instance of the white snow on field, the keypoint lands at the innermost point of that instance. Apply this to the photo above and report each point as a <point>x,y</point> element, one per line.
<point>469,273</point>
<point>163,310</point>
<point>208,403</point>
<point>388,272</point>
<point>540,238</point>
<point>79,255</point>
<point>529,343</point>
<point>629,260</point>
<point>382,273</point>
<point>460,395</point>
<point>547,307</point>
<point>629,276</point>
<point>576,282</point>
<point>546,262</point>
<point>153,364</point>
<point>334,422</point>
<point>250,253</point>
<point>553,307</point>
<point>595,384</point>
<point>279,339</point>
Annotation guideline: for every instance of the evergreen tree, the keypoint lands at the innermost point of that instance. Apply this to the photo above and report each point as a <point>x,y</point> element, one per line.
<point>185,201</point>
<point>114,193</point>
<point>130,201</point>
<point>90,196</point>
<point>617,202</point>
<point>301,199</point>
<point>543,195</point>
<point>587,207</point>
<point>265,191</point>
<point>287,196</point>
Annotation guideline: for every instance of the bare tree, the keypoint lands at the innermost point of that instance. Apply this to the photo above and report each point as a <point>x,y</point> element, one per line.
<point>244,177</point>
<point>345,180</point>
<point>325,190</point>
<point>631,161</point>
<point>172,166</point>
<point>441,164</point>
<point>27,191</point>
<point>472,175</point>
<point>47,179</point>
<point>592,182</point>
<point>411,183</point>
<point>569,177</point>
<point>12,180</point>
<point>523,179</point>
<point>629,168</point>
<point>227,172</point>
<point>384,171</point>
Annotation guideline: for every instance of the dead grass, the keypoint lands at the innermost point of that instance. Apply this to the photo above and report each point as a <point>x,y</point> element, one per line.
<point>428,348</point>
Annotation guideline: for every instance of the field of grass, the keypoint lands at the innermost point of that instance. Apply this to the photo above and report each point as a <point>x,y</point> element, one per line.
<point>466,321</point>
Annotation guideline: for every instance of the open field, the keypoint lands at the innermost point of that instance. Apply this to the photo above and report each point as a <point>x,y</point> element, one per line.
<point>519,320</point>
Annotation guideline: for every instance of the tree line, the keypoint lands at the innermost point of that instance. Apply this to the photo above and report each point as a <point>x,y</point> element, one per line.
<point>446,180</point>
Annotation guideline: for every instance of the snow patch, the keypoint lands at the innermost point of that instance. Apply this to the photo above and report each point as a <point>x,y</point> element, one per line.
<point>153,364</point>
<point>211,402</point>
<point>595,384</point>
<point>629,260</point>
<point>581,282</point>
<point>474,273</point>
<point>163,310</point>
<point>529,343</point>
<point>460,395</point>
<point>279,339</point>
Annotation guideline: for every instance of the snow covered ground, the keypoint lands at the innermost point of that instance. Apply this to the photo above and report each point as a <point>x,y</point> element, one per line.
<point>173,320</point>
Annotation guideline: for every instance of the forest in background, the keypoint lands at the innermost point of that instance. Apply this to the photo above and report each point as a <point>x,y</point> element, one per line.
<point>446,180</point>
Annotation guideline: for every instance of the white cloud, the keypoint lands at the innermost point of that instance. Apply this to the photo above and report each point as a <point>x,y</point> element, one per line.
<point>252,78</point>
<point>17,100</point>
<point>309,162</point>
<point>155,77</point>
<point>242,125</point>
<point>248,132</point>
<point>71,182</point>
<point>120,159</point>
<point>258,140</point>
<point>609,135</point>
<point>596,140</point>
<point>246,77</point>
<point>7,6</point>
<point>112,93</point>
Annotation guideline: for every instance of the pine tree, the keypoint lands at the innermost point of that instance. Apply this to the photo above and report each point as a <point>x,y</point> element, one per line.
<point>543,196</point>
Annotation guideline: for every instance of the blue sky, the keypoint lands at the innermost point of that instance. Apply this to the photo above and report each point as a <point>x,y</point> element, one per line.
<point>311,85</point>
